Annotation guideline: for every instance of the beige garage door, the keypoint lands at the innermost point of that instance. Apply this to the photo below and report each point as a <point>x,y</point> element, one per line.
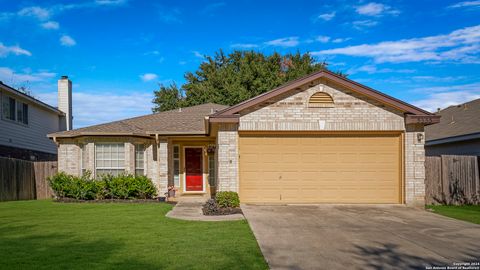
<point>331,168</point>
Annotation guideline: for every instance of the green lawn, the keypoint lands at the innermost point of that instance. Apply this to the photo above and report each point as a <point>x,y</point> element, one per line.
<point>49,235</point>
<point>470,213</point>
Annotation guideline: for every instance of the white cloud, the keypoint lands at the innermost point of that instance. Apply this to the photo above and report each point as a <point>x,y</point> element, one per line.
<point>364,24</point>
<point>9,76</point>
<point>152,53</point>
<point>326,16</point>
<point>461,45</point>
<point>6,50</point>
<point>466,4</point>
<point>445,99</point>
<point>198,54</point>
<point>372,69</point>
<point>244,45</point>
<point>208,9</point>
<point>322,39</point>
<point>148,77</point>
<point>103,106</point>
<point>110,2</point>
<point>67,40</point>
<point>340,40</point>
<point>36,12</point>
<point>50,25</point>
<point>284,42</point>
<point>170,16</point>
<point>375,9</point>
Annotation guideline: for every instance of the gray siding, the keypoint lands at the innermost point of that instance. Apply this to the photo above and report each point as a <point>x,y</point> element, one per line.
<point>34,135</point>
<point>470,147</point>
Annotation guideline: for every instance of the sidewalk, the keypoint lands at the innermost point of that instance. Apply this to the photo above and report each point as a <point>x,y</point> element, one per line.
<point>193,211</point>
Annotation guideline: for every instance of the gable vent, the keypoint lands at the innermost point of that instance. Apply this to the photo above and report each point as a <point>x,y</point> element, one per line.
<point>320,100</point>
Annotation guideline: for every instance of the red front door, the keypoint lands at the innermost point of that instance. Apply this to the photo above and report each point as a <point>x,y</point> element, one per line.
<point>193,169</point>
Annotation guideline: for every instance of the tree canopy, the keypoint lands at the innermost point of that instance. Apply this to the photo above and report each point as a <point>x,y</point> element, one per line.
<point>230,79</point>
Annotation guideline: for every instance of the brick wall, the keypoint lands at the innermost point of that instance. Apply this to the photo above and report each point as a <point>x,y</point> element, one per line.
<point>350,112</point>
<point>227,157</point>
<point>415,165</point>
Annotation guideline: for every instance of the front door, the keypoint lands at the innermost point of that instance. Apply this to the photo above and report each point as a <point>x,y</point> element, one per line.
<point>193,169</point>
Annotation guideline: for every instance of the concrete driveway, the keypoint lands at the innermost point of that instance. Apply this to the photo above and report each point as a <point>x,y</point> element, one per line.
<point>360,237</point>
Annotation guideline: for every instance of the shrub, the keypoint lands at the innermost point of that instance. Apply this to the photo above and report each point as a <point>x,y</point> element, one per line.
<point>227,199</point>
<point>210,207</point>
<point>107,187</point>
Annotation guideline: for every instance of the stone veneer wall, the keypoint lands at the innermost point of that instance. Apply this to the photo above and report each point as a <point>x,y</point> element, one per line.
<point>69,157</point>
<point>227,157</point>
<point>351,112</point>
<point>415,165</point>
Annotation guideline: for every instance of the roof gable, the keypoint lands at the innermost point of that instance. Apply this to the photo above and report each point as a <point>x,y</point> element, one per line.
<point>229,114</point>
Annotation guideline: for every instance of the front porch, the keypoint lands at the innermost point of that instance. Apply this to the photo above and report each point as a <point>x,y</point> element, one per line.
<point>191,168</point>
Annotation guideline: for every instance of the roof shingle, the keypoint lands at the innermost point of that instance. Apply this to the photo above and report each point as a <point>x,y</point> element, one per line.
<point>189,120</point>
<point>456,121</point>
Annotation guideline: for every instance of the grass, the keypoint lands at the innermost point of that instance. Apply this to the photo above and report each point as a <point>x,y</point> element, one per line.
<point>470,213</point>
<point>49,235</point>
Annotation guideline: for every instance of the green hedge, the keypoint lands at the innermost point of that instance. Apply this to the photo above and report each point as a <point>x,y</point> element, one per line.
<point>227,199</point>
<point>124,186</point>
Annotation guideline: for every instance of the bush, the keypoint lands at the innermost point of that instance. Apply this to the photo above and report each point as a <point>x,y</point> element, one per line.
<point>107,187</point>
<point>227,199</point>
<point>210,207</point>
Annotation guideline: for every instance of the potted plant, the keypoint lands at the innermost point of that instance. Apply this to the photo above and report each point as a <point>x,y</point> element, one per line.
<point>171,191</point>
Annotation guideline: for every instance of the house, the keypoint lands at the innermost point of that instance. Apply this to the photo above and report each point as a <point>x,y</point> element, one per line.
<point>26,121</point>
<point>319,139</point>
<point>457,133</point>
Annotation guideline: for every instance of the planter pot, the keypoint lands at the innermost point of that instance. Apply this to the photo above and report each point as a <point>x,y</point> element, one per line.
<point>171,193</point>
<point>162,199</point>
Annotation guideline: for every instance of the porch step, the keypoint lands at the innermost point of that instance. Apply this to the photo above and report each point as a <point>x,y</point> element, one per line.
<point>193,198</point>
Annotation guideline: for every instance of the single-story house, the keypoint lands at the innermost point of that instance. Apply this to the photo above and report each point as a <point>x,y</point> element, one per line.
<point>318,139</point>
<point>457,133</point>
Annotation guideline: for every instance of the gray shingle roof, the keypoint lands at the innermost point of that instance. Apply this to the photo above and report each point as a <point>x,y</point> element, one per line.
<point>189,120</point>
<point>456,121</point>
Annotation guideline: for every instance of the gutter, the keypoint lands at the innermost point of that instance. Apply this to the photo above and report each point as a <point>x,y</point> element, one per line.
<point>453,139</point>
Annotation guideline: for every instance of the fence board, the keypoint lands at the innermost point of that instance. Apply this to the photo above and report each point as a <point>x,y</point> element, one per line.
<point>43,170</point>
<point>25,180</point>
<point>452,179</point>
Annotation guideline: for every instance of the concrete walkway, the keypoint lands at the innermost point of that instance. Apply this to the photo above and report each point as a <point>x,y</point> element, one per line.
<point>193,211</point>
<point>360,237</point>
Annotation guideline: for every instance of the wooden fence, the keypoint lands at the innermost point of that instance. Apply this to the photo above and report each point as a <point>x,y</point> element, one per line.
<point>452,180</point>
<point>25,180</point>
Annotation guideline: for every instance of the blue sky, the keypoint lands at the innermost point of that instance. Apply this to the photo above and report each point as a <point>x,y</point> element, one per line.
<point>117,51</point>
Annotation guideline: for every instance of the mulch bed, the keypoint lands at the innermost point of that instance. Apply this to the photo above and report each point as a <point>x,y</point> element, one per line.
<point>223,211</point>
<point>71,200</point>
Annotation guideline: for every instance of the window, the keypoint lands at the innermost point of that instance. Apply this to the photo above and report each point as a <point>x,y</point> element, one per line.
<point>8,105</point>
<point>211,170</point>
<point>83,154</point>
<point>14,110</point>
<point>320,100</point>
<point>139,159</point>
<point>176,165</point>
<point>109,158</point>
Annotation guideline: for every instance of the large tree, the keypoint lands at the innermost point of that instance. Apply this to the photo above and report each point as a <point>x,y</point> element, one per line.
<point>230,79</point>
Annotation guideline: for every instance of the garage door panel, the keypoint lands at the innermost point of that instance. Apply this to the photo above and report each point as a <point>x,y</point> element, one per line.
<point>314,169</point>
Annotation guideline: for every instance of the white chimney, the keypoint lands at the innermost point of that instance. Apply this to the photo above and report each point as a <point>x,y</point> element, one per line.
<point>65,100</point>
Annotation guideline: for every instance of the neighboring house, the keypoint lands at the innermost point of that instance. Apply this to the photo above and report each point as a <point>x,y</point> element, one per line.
<point>26,121</point>
<point>457,133</point>
<point>319,139</point>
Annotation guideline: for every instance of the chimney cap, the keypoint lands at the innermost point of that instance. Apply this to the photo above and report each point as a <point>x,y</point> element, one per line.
<point>64,77</point>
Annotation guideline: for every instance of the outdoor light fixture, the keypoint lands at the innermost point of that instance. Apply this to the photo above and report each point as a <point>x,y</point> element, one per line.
<point>419,137</point>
